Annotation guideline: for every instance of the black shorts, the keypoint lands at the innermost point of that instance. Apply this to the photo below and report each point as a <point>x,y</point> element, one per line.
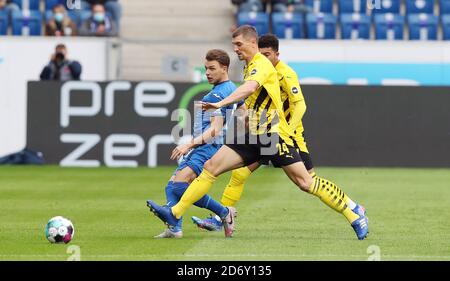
<point>265,148</point>
<point>306,158</point>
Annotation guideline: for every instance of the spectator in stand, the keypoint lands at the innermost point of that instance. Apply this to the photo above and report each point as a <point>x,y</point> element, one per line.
<point>60,24</point>
<point>111,6</point>
<point>288,6</point>
<point>60,68</point>
<point>9,7</point>
<point>99,24</point>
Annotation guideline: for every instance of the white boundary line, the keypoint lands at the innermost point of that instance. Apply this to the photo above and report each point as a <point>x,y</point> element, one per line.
<point>243,255</point>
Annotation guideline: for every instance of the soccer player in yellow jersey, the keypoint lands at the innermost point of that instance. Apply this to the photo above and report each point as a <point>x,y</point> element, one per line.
<point>294,107</point>
<point>269,138</point>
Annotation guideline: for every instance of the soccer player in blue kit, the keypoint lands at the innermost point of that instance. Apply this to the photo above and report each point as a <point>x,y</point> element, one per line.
<point>208,137</point>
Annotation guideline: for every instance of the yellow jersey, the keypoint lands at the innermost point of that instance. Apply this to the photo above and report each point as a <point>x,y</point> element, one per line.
<point>265,105</point>
<point>291,93</point>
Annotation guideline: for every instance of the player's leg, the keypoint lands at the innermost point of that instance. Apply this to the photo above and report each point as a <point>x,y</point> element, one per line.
<point>235,187</point>
<point>182,174</point>
<point>355,207</point>
<point>300,144</point>
<point>232,194</point>
<point>184,178</point>
<point>327,192</point>
<point>224,160</point>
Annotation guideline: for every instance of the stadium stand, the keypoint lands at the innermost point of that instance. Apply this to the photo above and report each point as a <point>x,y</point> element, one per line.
<point>387,6</point>
<point>352,6</point>
<point>27,22</point>
<point>389,26</point>
<point>446,27</point>
<point>355,26</point>
<point>422,27</point>
<point>379,20</point>
<point>259,20</point>
<point>32,5</point>
<point>320,6</point>
<point>29,17</point>
<point>321,26</point>
<point>4,22</point>
<point>419,6</point>
<point>444,7</point>
<point>288,25</point>
<point>335,17</point>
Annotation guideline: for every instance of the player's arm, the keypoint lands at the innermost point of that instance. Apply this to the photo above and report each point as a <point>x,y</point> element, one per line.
<point>214,130</point>
<point>297,113</point>
<point>296,98</point>
<point>241,93</point>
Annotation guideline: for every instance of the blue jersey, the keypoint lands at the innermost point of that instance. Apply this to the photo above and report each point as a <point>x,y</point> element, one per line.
<point>202,119</point>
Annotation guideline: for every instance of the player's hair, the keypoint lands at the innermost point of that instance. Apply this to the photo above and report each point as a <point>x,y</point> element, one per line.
<point>268,41</point>
<point>247,31</point>
<point>218,55</point>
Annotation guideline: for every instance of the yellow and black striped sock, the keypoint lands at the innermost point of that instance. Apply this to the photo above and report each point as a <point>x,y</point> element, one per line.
<point>330,194</point>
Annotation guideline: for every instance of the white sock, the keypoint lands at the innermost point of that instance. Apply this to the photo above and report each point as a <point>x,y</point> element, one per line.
<point>350,203</point>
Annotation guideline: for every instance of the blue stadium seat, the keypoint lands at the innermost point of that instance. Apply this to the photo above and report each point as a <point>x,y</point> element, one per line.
<point>322,6</point>
<point>389,26</point>
<point>86,14</point>
<point>419,6</point>
<point>352,6</point>
<point>75,17</point>
<point>259,20</point>
<point>321,26</point>
<point>21,22</point>
<point>49,4</point>
<point>288,25</point>
<point>446,27</point>
<point>355,26</point>
<point>385,6</point>
<point>422,27</point>
<point>4,22</point>
<point>444,7</point>
<point>33,4</point>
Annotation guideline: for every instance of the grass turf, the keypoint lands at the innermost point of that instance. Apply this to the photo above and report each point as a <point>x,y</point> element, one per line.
<point>409,212</point>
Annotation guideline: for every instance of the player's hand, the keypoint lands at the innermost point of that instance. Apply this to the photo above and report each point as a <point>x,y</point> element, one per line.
<point>180,150</point>
<point>208,105</point>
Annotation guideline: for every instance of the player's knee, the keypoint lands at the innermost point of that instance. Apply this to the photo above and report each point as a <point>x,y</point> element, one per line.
<point>210,167</point>
<point>305,183</point>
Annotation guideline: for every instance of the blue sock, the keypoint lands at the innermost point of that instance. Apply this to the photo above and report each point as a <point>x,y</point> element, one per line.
<point>172,199</point>
<point>205,202</point>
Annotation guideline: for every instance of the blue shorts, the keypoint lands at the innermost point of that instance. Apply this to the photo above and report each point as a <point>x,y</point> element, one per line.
<point>197,157</point>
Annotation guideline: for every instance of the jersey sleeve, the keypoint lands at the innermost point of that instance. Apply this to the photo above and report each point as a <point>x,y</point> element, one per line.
<point>258,73</point>
<point>214,97</point>
<point>293,87</point>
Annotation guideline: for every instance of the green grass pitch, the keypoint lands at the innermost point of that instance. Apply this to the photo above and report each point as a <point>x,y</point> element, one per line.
<point>408,210</point>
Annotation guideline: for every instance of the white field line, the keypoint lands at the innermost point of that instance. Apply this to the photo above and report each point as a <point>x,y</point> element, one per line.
<point>227,255</point>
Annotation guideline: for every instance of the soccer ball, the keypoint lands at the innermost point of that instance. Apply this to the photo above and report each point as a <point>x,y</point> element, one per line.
<point>59,230</point>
